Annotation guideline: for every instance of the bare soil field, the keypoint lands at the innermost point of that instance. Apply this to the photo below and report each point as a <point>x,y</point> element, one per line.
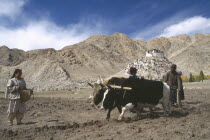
<point>64,115</point>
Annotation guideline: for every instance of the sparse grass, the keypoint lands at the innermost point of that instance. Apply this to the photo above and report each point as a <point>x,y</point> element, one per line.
<point>1,94</point>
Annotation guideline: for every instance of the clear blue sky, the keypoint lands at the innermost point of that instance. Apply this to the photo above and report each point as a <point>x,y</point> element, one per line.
<point>76,20</point>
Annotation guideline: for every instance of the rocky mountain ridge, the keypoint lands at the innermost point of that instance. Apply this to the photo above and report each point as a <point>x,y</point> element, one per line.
<point>103,56</point>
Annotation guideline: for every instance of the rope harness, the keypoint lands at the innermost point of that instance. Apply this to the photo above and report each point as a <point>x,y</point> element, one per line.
<point>124,94</point>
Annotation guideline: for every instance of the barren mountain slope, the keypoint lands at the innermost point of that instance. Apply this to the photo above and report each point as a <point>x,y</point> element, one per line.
<point>98,55</point>
<point>190,53</point>
<point>11,57</point>
<point>104,56</point>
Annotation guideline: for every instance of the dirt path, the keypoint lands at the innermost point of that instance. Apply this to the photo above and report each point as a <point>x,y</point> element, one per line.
<point>69,116</point>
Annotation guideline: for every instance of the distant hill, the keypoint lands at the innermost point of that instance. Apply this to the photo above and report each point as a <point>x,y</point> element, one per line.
<point>103,56</point>
<point>190,53</point>
<point>11,57</point>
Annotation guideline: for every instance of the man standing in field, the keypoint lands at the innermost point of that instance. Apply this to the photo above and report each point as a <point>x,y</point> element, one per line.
<point>173,79</point>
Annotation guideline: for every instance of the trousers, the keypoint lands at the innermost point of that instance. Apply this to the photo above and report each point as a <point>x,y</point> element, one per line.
<point>18,115</point>
<point>173,96</point>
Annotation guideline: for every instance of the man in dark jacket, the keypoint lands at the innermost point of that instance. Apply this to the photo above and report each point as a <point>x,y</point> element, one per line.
<point>132,80</point>
<point>133,72</point>
<point>181,93</point>
<point>173,79</point>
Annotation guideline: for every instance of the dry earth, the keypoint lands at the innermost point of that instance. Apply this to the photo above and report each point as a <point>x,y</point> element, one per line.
<point>64,115</point>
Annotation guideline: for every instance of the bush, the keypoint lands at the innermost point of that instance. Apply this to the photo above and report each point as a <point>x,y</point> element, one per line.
<point>196,78</point>
<point>207,77</point>
<point>191,79</point>
<point>202,76</point>
<point>185,78</point>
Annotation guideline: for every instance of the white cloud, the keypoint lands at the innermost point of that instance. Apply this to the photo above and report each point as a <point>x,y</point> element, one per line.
<point>46,34</point>
<point>153,31</point>
<point>38,34</point>
<point>189,26</point>
<point>175,25</point>
<point>11,8</point>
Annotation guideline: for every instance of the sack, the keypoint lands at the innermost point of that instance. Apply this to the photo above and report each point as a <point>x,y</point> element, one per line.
<point>25,95</point>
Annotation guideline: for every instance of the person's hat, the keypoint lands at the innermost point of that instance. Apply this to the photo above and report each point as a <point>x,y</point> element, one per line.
<point>173,66</point>
<point>179,72</point>
<point>133,70</point>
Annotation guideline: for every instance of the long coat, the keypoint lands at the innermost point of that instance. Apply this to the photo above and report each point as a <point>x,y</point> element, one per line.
<point>12,93</point>
<point>174,80</point>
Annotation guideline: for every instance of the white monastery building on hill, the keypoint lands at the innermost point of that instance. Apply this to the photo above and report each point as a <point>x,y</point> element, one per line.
<point>154,53</point>
<point>154,65</point>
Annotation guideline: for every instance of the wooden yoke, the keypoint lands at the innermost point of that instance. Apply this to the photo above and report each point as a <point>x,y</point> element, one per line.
<point>119,87</point>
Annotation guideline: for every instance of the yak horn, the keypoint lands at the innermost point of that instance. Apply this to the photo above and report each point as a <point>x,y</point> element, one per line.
<point>90,84</point>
